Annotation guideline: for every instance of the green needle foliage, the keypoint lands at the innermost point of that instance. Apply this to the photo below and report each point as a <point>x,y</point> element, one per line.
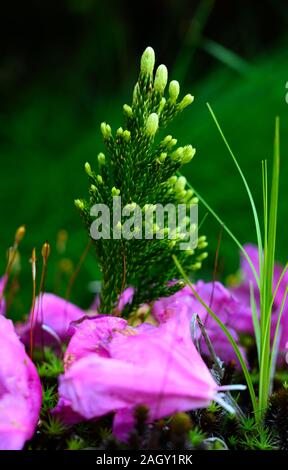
<point>196,436</point>
<point>51,367</point>
<point>141,168</point>
<point>53,427</point>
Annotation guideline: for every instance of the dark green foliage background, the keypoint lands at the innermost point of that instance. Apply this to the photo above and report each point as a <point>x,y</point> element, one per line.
<point>66,66</point>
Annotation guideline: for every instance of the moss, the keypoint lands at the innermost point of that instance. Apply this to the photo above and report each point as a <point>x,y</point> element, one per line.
<point>277,417</point>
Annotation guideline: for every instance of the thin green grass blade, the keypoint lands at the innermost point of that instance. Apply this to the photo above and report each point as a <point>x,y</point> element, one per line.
<point>265,199</point>
<point>265,219</point>
<point>264,372</point>
<point>267,279</point>
<point>267,358</point>
<point>273,212</point>
<point>226,56</point>
<point>254,210</point>
<point>227,333</point>
<point>256,324</point>
<point>203,220</point>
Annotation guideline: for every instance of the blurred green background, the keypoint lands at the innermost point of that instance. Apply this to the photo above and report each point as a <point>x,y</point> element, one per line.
<point>67,65</point>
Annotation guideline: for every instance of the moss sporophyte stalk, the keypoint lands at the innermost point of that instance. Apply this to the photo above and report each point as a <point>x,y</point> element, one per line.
<point>140,168</point>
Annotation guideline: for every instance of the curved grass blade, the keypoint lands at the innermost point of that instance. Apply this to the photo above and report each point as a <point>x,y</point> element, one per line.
<point>256,324</point>
<point>272,231</point>
<point>254,210</point>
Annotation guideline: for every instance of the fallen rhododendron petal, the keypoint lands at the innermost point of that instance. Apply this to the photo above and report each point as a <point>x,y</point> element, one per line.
<point>223,303</point>
<point>56,314</point>
<point>20,390</point>
<point>158,367</point>
<point>244,321</point>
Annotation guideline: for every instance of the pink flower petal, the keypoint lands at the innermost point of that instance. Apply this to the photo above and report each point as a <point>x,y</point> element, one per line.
<point>20,390</point>
<point>92,336</point>
<point>157,366</point>
<point>57,314</point>
<point>222,302</point>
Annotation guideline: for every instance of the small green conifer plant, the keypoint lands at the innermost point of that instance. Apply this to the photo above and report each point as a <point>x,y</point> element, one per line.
<point>141,168</point>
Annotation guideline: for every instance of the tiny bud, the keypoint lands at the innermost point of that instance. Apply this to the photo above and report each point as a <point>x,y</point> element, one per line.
<point>173,142</point>
<point>188,154</point>
<point>194,201</point>
<point>152,124</point>
<point>147,61</point>
<point>202,256</point>
<point>166,140</point>
<point>115,191</point>
<point>174,89</point>
<point>45,252</point>
<point>172,180</point>
<point>19,235</point>
<point>101,158</point>
<point>181,194</point>
<point>189,194</point>
<point>99,179</point>
<point>161,78</point>
<point>196,266</point>
<point>88,169</point>
<point>178,154</point>
<point>106,130</point>
<point>79,204</point>
<point>127,110</point>
<point>188,99</point>
<point>119,132</point>
<point>126,135</point>
<point>202,245</point>
<point>93,188</point>
<point>163,157</point>
<point>180,183</point>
